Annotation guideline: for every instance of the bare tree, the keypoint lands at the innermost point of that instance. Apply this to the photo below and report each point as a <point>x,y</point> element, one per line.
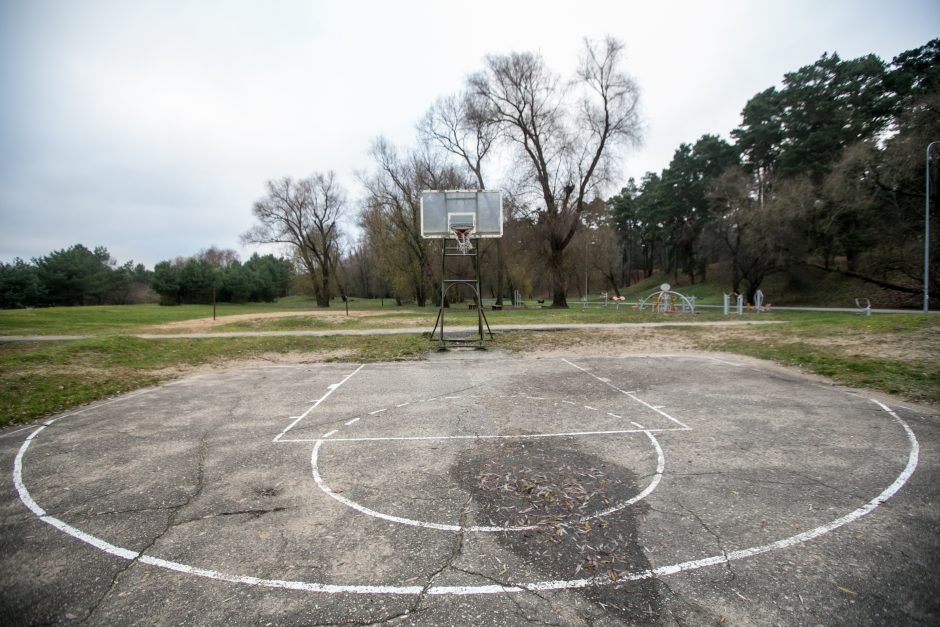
<point>463,125</point>
<point>565,145</point>
<point>392,217</point>
<point>304,214</point>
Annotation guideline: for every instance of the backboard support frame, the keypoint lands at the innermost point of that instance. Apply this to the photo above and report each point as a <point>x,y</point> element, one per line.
<point>463,216</point>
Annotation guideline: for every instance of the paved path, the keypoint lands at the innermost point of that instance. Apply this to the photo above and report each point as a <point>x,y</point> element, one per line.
<point>397,331</point>
<point>477,490</point>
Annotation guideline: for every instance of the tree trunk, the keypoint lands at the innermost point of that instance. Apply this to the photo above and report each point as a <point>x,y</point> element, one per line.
<point>613,282</point>
<point>500,263</point>
<point>735,275</point>
<point>321,288</point>
<point>556,273</point>
<point>751,291</point>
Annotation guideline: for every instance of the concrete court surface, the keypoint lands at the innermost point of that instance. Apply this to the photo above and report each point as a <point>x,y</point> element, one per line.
<point>477,488</point>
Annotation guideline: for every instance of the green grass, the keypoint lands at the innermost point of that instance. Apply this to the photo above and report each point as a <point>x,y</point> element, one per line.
<point>134,319</point>
<point>114,319</point>
<point>915,379</point>
<point>894,353</point>
<point>41,379</point>
<point>898,354</point>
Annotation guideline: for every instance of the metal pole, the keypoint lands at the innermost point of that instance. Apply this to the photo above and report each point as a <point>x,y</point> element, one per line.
<point>927,230</point>
<point>585,272</point>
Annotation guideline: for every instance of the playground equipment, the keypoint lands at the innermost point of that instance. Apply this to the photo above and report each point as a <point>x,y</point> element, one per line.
<point>866,309</point>
<point>606,301</point>
<point>726,303</point>
<point>739,304</point>
<point>667,301</point>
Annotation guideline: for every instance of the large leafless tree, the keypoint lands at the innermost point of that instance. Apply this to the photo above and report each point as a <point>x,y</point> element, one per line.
<point>462,125</point>
<point>392,216</point>
<point>304,214</point>
<point>565,133</point>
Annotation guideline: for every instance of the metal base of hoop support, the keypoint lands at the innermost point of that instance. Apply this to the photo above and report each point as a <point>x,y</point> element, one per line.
<point>444,342</point>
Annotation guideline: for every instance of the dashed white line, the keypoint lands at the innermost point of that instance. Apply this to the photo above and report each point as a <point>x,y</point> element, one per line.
<point>632,395</point>
<point>477,436</point>
<point>330,389</point>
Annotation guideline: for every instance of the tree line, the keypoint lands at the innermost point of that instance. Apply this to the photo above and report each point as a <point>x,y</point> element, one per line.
<point>80,276</point>
<point>549,140</point>
<point>71,276</point>
<point>216,275</point>
<point>824,172</point>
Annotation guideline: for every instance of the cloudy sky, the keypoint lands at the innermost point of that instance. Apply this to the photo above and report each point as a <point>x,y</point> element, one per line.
<point>150,127</point>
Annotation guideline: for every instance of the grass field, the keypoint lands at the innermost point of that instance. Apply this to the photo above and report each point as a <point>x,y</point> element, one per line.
<point>899,354</point>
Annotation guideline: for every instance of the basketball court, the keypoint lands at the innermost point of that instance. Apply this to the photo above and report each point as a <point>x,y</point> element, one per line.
<point>477,488</point>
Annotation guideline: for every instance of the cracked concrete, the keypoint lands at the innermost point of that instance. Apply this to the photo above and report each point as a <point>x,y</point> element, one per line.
<point>189,473</point>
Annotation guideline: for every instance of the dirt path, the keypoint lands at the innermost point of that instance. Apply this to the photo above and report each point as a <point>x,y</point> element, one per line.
<point>202,324</point>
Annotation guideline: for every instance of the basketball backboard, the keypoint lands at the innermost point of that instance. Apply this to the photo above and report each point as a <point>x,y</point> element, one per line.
<point>441,211</point>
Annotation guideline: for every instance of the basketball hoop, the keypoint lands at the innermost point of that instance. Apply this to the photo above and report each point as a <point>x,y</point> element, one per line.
<point>462,233</point>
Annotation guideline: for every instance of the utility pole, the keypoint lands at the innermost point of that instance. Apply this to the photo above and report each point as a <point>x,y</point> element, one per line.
<point>927,230</point>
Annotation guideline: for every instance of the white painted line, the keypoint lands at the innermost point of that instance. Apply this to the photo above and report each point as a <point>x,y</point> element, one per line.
<point>631,395</point>
<point>614,415</point>
<point>569,402</point>
<point>328,434</point>
<point>353,421</point>
<point>567,584</point>
<point>314,463</point>
<point>404,404</point>
<point>18,475</point>
<point>636,424</point>
<point>660,467</point>
<point>330,389</point>
<point>377,411</point>
<point>34,507</point>
<point>591,408</point>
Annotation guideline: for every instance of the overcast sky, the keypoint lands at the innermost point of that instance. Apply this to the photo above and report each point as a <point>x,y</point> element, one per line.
<point>150,127</point>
